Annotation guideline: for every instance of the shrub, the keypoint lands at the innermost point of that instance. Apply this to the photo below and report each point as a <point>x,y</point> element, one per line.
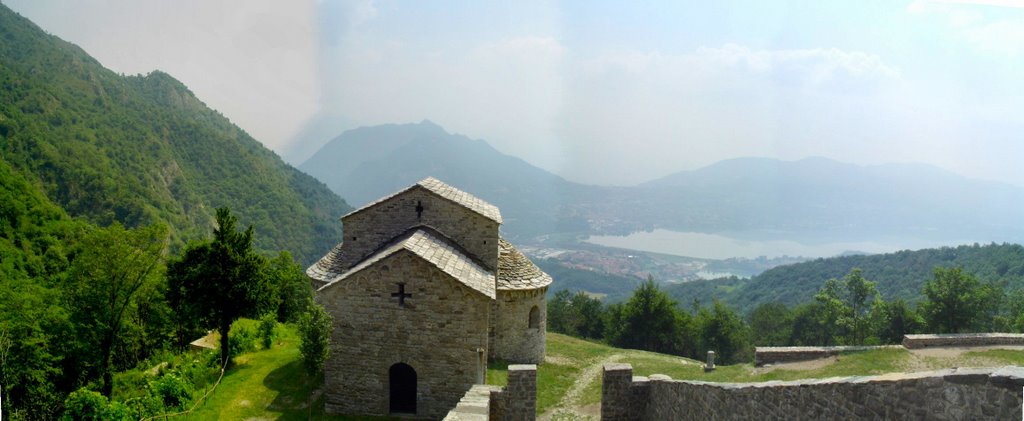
<point>241,341</point>
<point>267,324</point>
<point>85,404</point>
<point>172,391</point>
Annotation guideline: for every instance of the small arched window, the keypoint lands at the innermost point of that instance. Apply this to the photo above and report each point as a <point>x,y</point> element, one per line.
<point>534,318</point>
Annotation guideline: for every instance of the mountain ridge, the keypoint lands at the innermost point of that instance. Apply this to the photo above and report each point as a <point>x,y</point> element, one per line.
<point>811,196</point>
<point>143,149</point>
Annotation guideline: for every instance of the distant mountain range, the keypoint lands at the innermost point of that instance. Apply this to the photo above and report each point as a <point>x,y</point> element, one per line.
<point>898,275</point>
<point>143,149</point>
<point>810,198</point>
<point>370,162</point>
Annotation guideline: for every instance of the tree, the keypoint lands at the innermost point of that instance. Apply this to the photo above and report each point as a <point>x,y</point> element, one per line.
<point>895,319</point>
<point>292,289</point>
<point>955,301</point>
<point>648,321</point>
<point>721,330</point>
<point>315,327</point>
<point>220,280</point>
<point>559,314</point>
<point>860,294</point>
<point>771,324</point>
<point>828,312</point>
<point>114,264</point>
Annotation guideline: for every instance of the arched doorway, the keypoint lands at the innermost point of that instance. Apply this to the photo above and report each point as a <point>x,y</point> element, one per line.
<point>402,381</point>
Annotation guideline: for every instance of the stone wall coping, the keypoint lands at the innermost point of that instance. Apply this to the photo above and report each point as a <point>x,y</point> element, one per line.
<point>837,348</point>
<point>964,335</point>
<point>1009,376</point>
<point>618,367</point>
<point>522,367</point>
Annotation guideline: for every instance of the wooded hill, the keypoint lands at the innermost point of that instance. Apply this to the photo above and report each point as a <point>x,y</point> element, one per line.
<point>143,149</point>
<point>898,275</point>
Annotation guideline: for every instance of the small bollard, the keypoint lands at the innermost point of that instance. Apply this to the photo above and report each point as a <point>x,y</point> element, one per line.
<point>710,366</point>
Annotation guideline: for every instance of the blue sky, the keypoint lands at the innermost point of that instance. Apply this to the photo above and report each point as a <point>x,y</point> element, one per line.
<point>598,92</point>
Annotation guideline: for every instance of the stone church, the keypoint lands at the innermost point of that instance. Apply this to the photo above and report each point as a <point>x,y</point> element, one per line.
<point>424,291</point>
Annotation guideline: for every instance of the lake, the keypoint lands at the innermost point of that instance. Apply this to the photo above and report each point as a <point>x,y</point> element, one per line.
<point>716,246</point>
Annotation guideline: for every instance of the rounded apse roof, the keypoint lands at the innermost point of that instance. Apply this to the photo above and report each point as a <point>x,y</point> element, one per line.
<point>516,271</point>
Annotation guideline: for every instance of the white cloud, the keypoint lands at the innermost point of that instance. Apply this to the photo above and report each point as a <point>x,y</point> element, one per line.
<point>813,66</point>
<point>991,32</point>
<point>640,115</point>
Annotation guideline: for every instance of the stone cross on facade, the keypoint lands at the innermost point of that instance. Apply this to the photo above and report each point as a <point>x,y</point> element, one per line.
<point>401,295</point>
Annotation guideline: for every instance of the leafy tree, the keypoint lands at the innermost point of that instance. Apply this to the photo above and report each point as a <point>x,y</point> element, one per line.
<point>291,285</point>
<point>894,319</point>
<point>315,328</point>
<point>220,280</point>
<point>955,301</point>
<point>771,324</point>
<point>114,264</point>
<point>860,294</point>
<point>558,313</point>
<point>649,321</point>
<point>577,315</point>
<point>828,312</point>
<point>721,330</point>
<point>590,315</point>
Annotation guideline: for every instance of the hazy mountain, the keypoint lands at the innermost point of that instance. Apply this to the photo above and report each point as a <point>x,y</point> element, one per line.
<point>370,162</point>
<point>814,199</point>
<point>823,197</point>
<point>144,149</point>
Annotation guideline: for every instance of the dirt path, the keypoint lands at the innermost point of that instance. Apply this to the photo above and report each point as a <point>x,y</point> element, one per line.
<point>569,407</point>
<point>922,359</point>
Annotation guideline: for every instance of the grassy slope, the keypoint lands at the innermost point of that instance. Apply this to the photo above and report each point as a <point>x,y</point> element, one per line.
<point>271,384</point>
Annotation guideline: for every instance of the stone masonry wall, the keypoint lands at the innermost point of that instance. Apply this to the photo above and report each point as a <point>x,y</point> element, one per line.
<point>441,333</point>
<point>513,339</point>
<point>515,402</point>
<point>962,339</point>
<point>371,228</point>
<point>954,394</point>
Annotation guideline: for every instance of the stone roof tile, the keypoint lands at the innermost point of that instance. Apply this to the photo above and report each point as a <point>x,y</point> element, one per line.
<point>447,192</point>
<point>516,271</point>
<point>436,250</point>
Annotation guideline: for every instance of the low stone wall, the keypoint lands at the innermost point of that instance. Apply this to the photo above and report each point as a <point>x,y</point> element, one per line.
<point>475,405</point>
<point>954,394</point>
<point>962,339</point>
<point>515,402</point>
<point>786,354</point>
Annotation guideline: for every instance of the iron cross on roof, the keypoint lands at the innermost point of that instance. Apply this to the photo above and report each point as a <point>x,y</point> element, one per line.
<point>401,295</point>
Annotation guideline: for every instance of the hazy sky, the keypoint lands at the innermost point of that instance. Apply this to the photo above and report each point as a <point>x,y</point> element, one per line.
<point>598,92</point>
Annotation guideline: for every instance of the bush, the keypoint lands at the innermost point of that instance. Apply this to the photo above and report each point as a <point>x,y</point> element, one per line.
<point>172,391</point>
<point>267,324</point>
<point>242,340</point>
<point>85,404</point>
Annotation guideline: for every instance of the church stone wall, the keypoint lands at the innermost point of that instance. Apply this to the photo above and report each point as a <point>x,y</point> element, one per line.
<point>367,230</point>
<point>433,333</point>
<point>954,394</point>
<point>513,339</point>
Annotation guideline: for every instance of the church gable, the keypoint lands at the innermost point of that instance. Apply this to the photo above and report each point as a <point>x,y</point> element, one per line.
<point>375,225</point>
<point>435,250</point>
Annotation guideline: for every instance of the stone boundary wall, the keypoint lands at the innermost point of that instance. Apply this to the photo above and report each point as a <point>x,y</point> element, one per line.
<point>786,354</point>
<point>962,339</point>
<point>953,394</point>
<point>515,402</point>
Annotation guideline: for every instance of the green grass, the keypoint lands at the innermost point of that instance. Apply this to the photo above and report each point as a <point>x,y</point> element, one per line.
<point>271,384</point>
<point>266,384</point>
